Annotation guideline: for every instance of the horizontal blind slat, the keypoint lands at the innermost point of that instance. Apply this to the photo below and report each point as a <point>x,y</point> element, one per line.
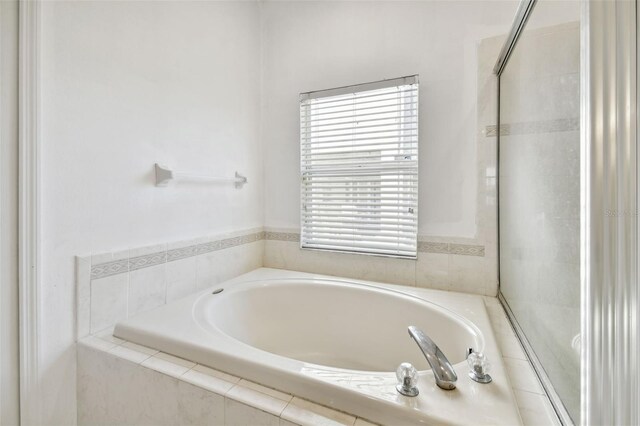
<point>355,132</point>
<point>369,115</point>
<point>402,238</point>
<point>330,220</point>
<point>407,125</point>
<point>354,200</point>
<point>370,146</point>
<point>371,245</point>
<point>379,120</point>
<point>354,109</point>
<point>409,137</point>
<point>346,98</point>
<point>318,217</point>
<point>390,98</point>
<point>409,254</point>
<point>337,159</point>
<point>359,227</point>
<point>361,203</point>
<point>384,169</point>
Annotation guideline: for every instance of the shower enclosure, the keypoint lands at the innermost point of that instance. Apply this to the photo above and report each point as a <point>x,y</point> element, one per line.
<point>539,193</point>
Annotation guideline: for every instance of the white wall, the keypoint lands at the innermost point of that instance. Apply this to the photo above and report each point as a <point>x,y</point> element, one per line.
<point>125,85</point>
<point>317,45</point>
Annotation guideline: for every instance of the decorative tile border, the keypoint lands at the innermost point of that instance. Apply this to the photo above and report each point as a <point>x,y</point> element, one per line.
<point>466,250</point>
<point>282,236</point>
<point>423,246</point>
<point>182,253</point>
<point>146,261</point>
<point>107,269</point>
<point>431,247</point>
<point>529,127</point>
<point>450,248</point>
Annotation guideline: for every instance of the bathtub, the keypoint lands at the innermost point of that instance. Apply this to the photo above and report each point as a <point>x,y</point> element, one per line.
<point>336,342</point>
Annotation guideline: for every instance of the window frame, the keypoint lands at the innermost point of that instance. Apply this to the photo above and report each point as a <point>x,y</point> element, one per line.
<point>412,80</point>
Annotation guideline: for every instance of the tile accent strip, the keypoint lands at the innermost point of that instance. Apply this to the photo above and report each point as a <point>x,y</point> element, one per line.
<point>466,250</point>
<point>429,247</point>
<point>107,269</point>
<point>529,127</point>
<point>282,236</point>
<point>423,246</point>
<point>146,261</point>
<point>450,248</point>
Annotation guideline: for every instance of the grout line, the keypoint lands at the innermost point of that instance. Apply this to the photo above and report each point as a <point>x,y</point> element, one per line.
<point>128,293</point>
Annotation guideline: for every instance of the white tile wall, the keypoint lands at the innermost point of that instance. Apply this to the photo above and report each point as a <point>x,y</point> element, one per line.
<point>303,412</point>
<point>147,288</point>
<point>109,301</point>
<point>442,271</point>
<point>288,255</point>
<point>239,414</point>
<point>147,277</point>
<point>123,383</point>
<point>533,404</point>
<point>181,278</point>
<point>113,286</point>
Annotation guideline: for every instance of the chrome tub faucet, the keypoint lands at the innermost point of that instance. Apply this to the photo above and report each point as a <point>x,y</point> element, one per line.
<point>442,369</point>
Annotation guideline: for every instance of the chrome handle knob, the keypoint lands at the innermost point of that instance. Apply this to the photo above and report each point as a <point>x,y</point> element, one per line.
<point>407,376</point>
<point>479,367</point>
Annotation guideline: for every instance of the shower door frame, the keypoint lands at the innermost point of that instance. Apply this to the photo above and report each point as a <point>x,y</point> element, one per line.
<point>9,333</point>
<point>610,189</point>
<point>29,210</point>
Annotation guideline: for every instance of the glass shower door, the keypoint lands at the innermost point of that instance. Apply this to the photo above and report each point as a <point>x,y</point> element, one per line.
<point>539,196</point>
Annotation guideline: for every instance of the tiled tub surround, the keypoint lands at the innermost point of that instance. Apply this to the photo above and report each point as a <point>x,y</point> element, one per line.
<point>123,383</point>
<point>496,406</point>
<point>453,264</point>
<point>114,388</point>
<point>175,329</point>
<point>113,286</point>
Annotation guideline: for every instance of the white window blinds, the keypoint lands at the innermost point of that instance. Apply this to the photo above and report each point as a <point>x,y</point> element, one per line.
<point>359,168</point>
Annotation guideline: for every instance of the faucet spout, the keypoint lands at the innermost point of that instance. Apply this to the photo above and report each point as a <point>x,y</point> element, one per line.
<point>442,369</point>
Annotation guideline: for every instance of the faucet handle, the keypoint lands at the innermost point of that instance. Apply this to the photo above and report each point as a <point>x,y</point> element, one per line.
<point>407,379</point>
<point>479,365</point>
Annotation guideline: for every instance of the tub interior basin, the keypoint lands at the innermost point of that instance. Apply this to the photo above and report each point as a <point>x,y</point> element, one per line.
<point>336,324</point>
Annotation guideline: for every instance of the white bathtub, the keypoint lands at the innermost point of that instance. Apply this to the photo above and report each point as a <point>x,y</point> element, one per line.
<point>336,342</point>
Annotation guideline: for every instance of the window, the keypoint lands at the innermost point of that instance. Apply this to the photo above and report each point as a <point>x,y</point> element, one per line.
<point>359,168</point>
